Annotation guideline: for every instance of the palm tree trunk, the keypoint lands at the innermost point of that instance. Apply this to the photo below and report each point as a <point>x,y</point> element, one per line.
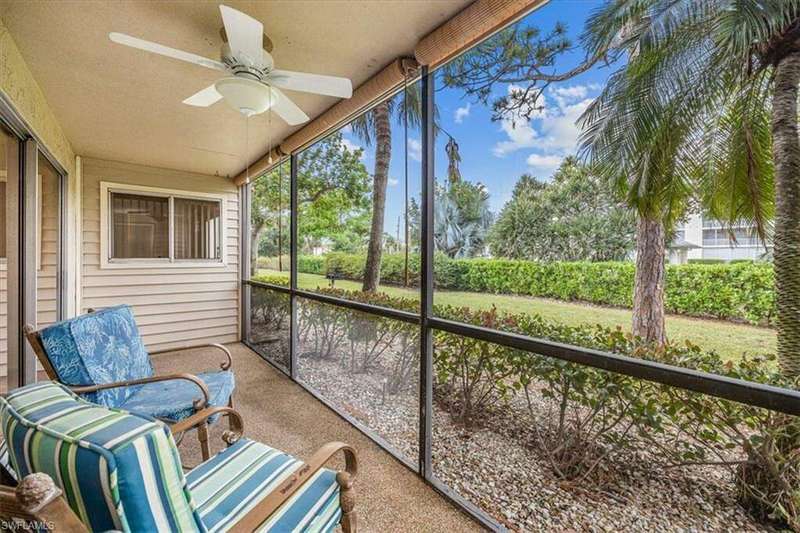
<point>648,290</point>
<point>786,154</point>
<point>383,154</point>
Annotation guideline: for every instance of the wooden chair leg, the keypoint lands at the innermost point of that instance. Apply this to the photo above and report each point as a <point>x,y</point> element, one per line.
<point>202,436</point>
<point>347,501</point>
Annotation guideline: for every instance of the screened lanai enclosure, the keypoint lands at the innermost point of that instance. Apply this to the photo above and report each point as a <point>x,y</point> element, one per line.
<point>435,270</point>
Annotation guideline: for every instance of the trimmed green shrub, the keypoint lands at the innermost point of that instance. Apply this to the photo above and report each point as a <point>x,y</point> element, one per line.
<point>706,261</point>
<point>273,279</point>
<point>311,264</point>
<point>732,291</point>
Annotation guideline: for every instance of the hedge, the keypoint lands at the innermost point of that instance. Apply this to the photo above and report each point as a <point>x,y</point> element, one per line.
<point>732,291</point>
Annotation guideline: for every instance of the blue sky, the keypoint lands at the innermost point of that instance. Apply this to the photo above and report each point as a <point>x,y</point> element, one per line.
<point>498,153</point>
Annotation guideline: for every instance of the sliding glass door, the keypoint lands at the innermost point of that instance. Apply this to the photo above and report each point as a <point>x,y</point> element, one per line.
<point>9,170</point>
<point>48,242</point>
<point>32,192</point>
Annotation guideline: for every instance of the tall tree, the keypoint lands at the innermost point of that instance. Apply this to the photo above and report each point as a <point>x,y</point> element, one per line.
<point>689,115</point>
<point>521,58</point>
<point>575,216</point>
<point>462,219</point>
<point>333,184</point>
<point>376,126</point>
<point>265,209</point>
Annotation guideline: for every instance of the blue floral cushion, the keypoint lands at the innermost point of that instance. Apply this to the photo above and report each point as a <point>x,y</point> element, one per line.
<point>172,400</point>
<point>96,348</point>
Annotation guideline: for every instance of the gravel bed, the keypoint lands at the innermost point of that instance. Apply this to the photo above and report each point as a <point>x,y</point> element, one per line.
<point>495,465</point>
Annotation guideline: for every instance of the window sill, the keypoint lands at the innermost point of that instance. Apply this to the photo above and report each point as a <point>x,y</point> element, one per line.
<point>130,265</point>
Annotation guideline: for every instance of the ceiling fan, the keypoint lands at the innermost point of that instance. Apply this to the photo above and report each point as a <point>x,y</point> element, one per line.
<point>253,85</point>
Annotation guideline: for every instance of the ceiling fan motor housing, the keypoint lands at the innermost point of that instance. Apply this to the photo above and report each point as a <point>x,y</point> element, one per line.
<point>257,70</point>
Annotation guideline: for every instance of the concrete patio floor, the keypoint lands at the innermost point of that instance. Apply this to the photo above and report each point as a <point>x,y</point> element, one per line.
<point>281,414</point>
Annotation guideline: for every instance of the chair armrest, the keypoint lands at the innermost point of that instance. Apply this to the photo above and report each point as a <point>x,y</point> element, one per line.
<point>38,499</point>
<point>199,403</point>
<point>261,512</point>
<point>230,436</point>
<point>225,365</point>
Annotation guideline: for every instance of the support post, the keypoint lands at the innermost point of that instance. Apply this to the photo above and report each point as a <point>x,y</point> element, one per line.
<point>293,245</point>
<point>426,283</point>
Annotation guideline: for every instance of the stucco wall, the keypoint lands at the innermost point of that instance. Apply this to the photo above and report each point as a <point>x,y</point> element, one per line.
<point>19,86</point>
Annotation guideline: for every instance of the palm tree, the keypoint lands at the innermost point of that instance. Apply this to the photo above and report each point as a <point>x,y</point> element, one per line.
<point>375,125</point>
<point>689,118</point>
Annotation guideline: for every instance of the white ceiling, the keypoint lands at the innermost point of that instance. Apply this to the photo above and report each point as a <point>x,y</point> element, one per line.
<point>121,104</point>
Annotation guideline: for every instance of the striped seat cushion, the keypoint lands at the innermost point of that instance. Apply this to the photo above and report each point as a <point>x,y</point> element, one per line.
<point>228,485</point>
<point>117,470</point>
<point>5,462</point>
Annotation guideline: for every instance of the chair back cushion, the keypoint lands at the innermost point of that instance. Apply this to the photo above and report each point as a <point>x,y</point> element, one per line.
<point>97,348</point>
<point>117,470</point>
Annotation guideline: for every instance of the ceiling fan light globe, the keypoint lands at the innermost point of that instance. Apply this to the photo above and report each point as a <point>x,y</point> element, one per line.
<point>247,96</point>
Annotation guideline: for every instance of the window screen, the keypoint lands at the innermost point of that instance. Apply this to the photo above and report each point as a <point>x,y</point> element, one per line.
<point>197,224</point>
<point>140,226</point>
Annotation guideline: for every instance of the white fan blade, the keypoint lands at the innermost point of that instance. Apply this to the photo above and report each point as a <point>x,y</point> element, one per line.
<point>207,97</point>
<point>160,49</point>
<point>245,36</point>
<point>311,83</point>
<point>288,110</point>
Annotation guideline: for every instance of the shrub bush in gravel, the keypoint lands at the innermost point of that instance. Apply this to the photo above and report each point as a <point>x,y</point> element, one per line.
<point>270,308</point>
<point>593,418</point>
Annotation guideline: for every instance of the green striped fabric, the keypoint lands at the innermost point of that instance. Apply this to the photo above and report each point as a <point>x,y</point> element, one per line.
<point>117,470</point>
<point>233,482</point>
<point>122,471</point>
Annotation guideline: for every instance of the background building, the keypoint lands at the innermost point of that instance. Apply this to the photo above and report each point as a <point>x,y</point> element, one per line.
<point>706,238</point>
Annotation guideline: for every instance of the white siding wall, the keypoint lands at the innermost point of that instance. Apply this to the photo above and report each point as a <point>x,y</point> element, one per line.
<point>46,282</point>
<point>174,306</point>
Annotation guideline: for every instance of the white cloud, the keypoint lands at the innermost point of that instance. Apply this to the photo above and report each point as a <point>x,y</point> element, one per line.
<point>461,113</point>
<point>559,129</point>
<point>551,130</point>
<point>519,130</point>
<point>520,135</point>
<point>545,164</point>
<point>347,128</point>
<point>393,182</point>
<point>570,93</point>
<point>351,146</point>
<point>415,149</point>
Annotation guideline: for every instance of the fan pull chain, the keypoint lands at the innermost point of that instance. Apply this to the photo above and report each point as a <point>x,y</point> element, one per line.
<point>269,129</point>
<point>247,147</point>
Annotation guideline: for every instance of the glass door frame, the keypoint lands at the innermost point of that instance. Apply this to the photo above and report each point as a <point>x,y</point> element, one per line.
<point>22,200</point>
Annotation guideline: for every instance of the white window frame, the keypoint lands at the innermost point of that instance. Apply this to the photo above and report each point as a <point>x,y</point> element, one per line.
<point>106,261</point>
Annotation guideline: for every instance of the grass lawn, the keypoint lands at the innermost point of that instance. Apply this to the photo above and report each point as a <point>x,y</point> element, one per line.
<point>729,339</point>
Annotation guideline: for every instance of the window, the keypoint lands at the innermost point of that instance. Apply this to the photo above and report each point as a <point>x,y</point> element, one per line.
<point>140,227</point>
<point>196,229</point>
<point>149,224</point>
<point>745,236</point>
